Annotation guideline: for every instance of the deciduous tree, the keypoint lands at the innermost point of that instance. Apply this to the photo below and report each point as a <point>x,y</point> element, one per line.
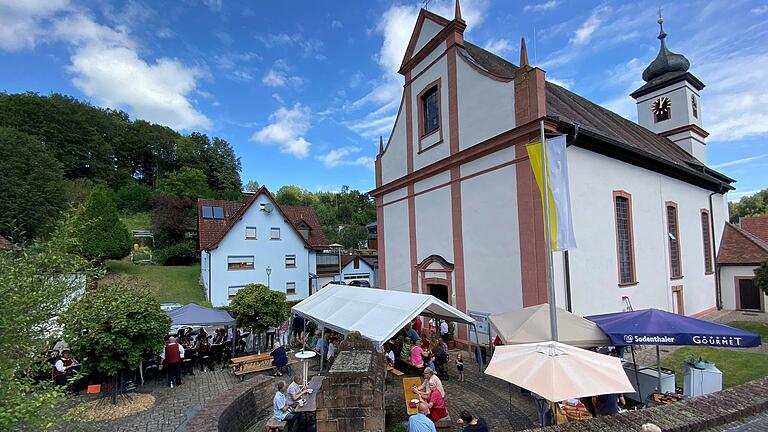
<point>258,307</point>
<point>761,277</point>
<point>171,218</point>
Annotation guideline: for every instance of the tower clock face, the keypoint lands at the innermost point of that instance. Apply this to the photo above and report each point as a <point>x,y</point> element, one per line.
<point>661,106</point>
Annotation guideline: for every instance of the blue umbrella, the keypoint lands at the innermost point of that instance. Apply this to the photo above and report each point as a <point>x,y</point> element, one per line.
<point>658,327</point>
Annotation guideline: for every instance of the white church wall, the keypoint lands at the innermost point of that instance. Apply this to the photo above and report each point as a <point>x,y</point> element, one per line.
<point>434,229</point>
<point>397,241</point>
<point>491,236</point>
<point>728,275</point>
<point>428,30</point>
<point>593,264</point>
<point>486,108</point>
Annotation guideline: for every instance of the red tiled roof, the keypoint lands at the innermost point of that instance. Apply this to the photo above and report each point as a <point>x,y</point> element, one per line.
<point>296,214</point>
<point>346,259</point>
<point>212,231</point>
<point>755,225</point>
<point>209,230</point>
<point>739,247</point>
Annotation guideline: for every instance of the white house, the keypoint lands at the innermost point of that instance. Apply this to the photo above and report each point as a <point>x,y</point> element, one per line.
<point>742,250</point>
<point>357,268</point>
<point>459,212</point>
<point>257,241</point>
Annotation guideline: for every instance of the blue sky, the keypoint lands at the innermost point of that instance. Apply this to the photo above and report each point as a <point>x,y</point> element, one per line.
<point>303,89</point>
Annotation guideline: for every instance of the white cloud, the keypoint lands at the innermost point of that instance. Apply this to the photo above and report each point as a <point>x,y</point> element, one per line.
<point>500,47</point>
<point>310,47</point>
<point>278,78</point>
<point>106,64</point>
<point>541,7</point>
<point>741,161</point>
<point>759,10</point>
<point>736,196</point>
<point>337,157</point>
<point>214,5</point>
<point>22,21</point>
<point>583,34</point>
<point>336,24</point>
<point>278,98</point>
<point>566,83</point>
<point>286,129</point>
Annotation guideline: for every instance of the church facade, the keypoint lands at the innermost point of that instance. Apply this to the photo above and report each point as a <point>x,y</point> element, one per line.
<point>459,211</point>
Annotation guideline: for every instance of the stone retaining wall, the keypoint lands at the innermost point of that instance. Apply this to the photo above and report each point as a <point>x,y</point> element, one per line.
<point>696,414</point>
<point>237,409</point>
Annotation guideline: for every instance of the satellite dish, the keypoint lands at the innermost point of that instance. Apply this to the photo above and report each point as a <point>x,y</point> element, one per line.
<point>267,207</point>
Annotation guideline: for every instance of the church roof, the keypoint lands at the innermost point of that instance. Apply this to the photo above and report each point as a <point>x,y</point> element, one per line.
<point>614,132</point>
<point>739,247</point>
<point>755,225</point>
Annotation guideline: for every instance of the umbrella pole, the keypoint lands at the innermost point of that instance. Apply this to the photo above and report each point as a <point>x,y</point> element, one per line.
<point>637,375</point>
<point>658,366</point>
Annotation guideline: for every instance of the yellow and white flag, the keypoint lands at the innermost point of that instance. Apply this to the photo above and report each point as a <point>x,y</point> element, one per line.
<point>559,196</point>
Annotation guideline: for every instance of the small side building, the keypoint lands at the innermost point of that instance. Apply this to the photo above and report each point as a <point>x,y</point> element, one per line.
<point>742,250</point>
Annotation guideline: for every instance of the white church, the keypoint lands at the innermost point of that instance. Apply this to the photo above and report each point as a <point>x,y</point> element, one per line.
<point>459,211</point>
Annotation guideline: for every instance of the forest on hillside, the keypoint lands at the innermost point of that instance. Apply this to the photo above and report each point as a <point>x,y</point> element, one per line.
<point>57,149</point>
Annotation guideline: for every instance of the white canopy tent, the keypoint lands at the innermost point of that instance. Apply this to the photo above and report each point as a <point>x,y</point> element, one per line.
<point>377,314</point>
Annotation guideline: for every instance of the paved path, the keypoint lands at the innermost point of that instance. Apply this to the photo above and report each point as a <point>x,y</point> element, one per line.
<point>173,406</point>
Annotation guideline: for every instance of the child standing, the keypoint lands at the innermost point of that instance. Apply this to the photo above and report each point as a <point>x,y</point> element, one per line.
<point>460,366</point>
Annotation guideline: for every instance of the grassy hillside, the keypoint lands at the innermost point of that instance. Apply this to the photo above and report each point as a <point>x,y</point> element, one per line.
<point>136,221</point>
<point>169,283</point>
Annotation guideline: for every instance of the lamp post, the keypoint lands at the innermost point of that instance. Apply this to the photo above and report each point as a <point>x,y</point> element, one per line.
<point>269,272</point>
<point>338,249</point>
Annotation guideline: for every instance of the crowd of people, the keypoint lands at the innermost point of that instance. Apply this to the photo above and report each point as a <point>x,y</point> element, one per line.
<point>181,355</point>
<point>418,347</point>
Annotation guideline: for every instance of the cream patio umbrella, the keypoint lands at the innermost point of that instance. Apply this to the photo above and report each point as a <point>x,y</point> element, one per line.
<point>531,324</point>
<point>557,371</point>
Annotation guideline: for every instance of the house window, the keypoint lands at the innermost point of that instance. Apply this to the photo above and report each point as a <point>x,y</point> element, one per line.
<point>250,233</point>
<point>430,107</point>
<point>240,263</point>
<point>213,212</point>
<point>694,106</point>
<point>673,232</point>
<point>232,291</point>
<point>290,261</point>
<point>290,288</point>
<point>706,235</point>
<point>274,233</point>
<point>624,238</point>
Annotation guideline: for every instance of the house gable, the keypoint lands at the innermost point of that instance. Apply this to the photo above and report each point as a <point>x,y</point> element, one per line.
<point>428,25</point>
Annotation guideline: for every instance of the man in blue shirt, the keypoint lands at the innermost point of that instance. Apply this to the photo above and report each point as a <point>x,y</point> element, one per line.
<point>420,422</point>
<point>280,404</point>
<point>411,333</point>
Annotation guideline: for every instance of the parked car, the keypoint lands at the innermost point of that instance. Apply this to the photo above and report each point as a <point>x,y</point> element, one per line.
<point>167,307</point>
<point>360,283</point>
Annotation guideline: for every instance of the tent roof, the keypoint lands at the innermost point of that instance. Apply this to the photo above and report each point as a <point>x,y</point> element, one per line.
<point>192,314</point>
<point>531,324</point>
<point>658,327</point>
<point>376,313</point>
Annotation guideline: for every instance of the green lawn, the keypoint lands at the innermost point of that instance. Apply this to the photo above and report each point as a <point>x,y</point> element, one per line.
<point>737,366</point>
<point>136,221</point>
<point>760,328</point>
<point>169,283</point>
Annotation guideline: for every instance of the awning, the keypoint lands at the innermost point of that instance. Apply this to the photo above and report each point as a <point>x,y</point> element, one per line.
<point>377,314</point>
<point>193,314</point>
<point>531,324</point>
<point>658,327</point>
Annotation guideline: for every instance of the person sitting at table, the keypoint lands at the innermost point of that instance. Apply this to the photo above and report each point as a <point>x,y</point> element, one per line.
<point>397,345</point>
<point>389,354</point>
<point>203,350</point>
<point>295,389</point>
<point>435,402</point>
<point>472,423</point>
<point>419,422</point>
<point>411,333</point>
<point>416,357</point>
<point>423,389</point>
<point>280,358</point>
<point>426,341</point>
<point>608,404</point>
<point>405,351</point>
<point>64,367</point>
<point>429,360</point>
<point>280,409</point>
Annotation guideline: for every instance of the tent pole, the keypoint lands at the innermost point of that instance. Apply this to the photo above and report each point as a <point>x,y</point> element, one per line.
<point>290,329</point>
<point>303,336</point>
<point>322,345</point>
<point>637,375</point>
<point>658,366</point>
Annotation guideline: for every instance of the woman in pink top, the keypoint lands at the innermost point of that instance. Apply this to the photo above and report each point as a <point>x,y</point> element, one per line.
<point>417,358</point>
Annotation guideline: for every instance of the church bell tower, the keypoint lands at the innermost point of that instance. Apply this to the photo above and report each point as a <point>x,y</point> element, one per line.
<point>668,103</point>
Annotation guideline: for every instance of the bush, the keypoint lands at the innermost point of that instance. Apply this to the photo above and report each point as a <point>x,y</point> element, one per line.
<point>178,254</point>
<point>99,231</point>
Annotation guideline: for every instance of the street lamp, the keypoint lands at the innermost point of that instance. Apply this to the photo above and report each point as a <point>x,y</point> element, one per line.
<point>269,272</point>
<point>338,248</point>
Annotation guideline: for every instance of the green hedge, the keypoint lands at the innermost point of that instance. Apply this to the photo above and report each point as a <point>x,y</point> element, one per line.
<point>178,254</point>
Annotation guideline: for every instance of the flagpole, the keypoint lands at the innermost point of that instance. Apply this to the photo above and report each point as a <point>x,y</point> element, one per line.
<point>548,235</point>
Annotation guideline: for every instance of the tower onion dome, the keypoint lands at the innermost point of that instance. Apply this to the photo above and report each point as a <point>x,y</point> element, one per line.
<point>666,61</point>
